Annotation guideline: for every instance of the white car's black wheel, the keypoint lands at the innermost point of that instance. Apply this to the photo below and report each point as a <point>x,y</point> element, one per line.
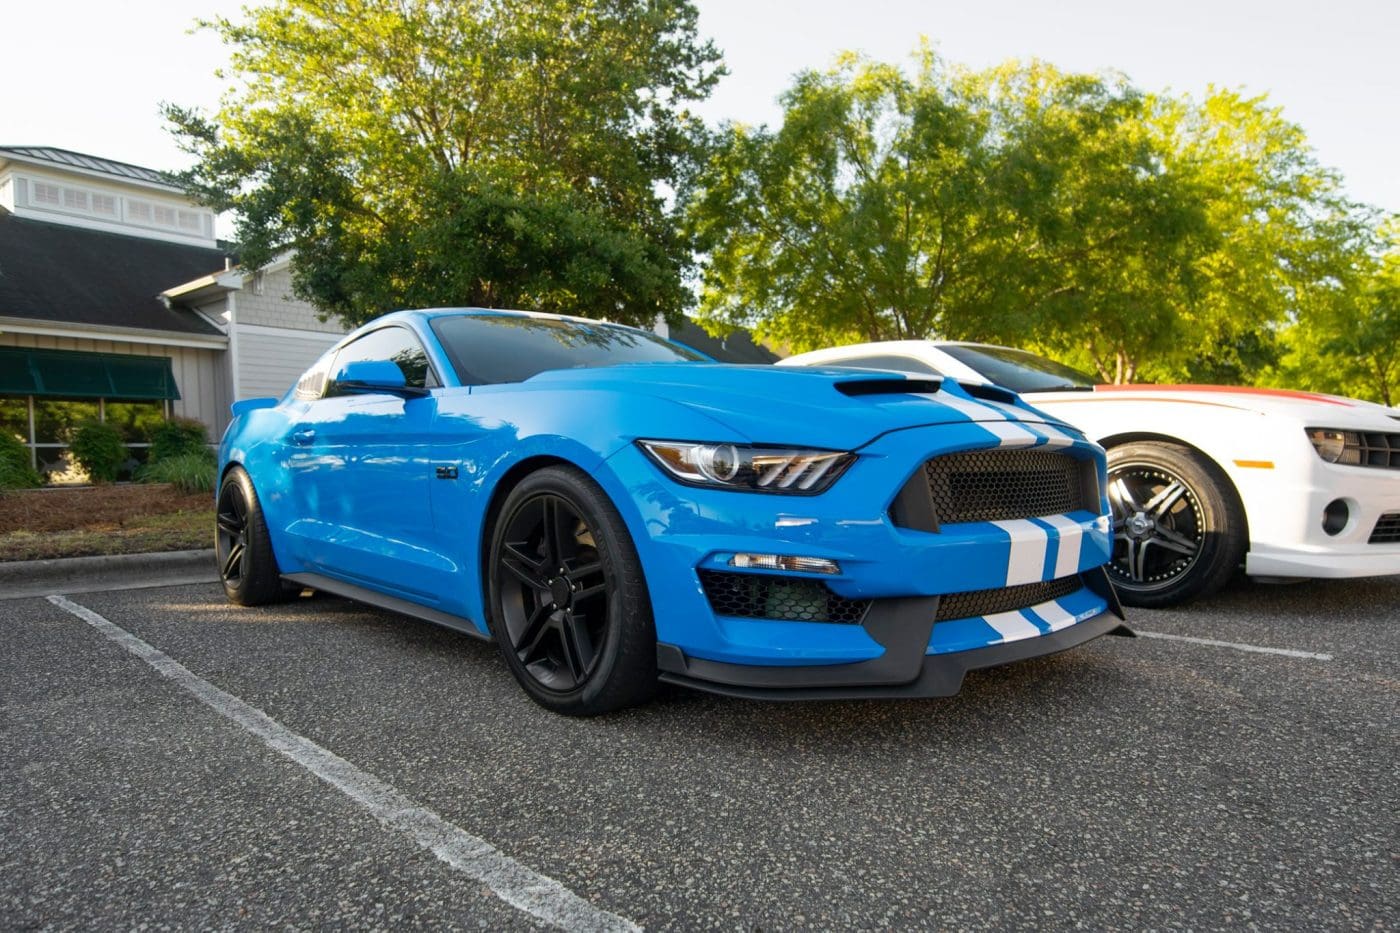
<point>1178,526</point>
<point>569,605</point>
<point>247,566</point>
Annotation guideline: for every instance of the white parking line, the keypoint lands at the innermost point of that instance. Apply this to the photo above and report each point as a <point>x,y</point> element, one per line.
<point>512,882</point>
<point>1257,649</point>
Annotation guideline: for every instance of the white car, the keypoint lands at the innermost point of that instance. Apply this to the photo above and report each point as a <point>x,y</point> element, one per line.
<point>1202,479</point>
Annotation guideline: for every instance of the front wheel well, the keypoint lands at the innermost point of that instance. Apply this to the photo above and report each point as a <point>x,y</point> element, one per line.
<point>508,482</point>
<point>1148,437</point>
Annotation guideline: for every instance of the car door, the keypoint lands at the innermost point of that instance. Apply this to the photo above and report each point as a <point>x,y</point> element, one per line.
<point>361,469</point>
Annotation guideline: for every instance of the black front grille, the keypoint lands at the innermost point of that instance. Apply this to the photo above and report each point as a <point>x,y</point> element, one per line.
<point>1005,599</point>
<point>997,485</point>
<point>785,599</point>
<point>1387,530</point>
<point>1380,450</point>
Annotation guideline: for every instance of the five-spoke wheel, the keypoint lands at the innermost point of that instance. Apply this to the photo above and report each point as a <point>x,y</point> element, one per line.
<point>247,566</point>
<point>569,605</point>
<point>1178,528</point>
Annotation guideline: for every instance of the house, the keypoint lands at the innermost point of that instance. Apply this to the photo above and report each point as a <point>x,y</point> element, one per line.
<point>118,303</point>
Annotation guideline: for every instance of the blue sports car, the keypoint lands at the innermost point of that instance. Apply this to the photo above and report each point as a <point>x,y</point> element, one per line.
<point>615,509</point>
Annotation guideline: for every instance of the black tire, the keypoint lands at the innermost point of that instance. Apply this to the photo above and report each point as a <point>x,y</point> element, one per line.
<point>247,566</point>
<point>568,602</point>
<point>1178,527</point>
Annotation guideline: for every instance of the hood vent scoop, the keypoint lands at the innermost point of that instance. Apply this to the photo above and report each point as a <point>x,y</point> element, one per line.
<point>860,387</point>
<point>989,393</point>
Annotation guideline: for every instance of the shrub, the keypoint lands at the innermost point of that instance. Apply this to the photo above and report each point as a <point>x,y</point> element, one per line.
<point>177,437</point>
<point>99,450</point>
<point>190,472</point>
<point>15,471</point>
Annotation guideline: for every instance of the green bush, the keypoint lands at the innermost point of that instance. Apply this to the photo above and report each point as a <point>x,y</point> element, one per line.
<point>99,450</point>
<point>191,472</point>
<point>15,471</point>
<point>177,437</point>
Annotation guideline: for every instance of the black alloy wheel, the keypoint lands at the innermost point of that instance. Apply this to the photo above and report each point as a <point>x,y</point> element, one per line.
<point>247,567</point>
<point>570,609</point>
<point>1178,528</point>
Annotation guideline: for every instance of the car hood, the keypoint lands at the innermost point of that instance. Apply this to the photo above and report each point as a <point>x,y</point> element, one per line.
<point>833,408</point>
<point>1309,408</point>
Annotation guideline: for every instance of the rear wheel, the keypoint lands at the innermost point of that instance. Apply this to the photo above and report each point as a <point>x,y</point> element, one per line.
<point>568,601</point>
<point>1178,527</point>
<point>247,566</point>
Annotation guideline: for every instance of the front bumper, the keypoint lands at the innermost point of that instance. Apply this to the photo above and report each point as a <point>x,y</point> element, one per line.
<point>909,666</point>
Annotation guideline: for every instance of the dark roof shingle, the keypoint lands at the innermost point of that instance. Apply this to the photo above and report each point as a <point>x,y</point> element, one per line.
<point>71,275</point>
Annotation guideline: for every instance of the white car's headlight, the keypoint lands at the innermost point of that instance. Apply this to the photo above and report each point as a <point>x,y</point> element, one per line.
<point>791,470</point>
<point>1336,446</point>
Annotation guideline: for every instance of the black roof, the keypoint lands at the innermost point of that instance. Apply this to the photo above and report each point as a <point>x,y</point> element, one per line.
<point>735,347</point>
<point>71,275</point>
<point>90,162</point>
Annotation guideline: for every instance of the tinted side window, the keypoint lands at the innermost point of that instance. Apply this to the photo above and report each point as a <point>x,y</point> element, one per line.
<point>312,383</point>
<point>396,344</point>
<point>904,364</point>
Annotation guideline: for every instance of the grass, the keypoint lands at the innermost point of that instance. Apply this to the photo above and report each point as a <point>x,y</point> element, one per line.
<point>86,521</point>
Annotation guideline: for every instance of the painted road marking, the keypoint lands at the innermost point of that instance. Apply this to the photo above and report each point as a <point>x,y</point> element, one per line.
<point>512,882</point>
<point>1257,649</point>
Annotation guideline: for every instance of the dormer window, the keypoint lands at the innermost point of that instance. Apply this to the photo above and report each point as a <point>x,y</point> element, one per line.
<point>45,193</point>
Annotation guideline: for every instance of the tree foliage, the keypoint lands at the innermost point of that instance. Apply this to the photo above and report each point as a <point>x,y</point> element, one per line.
<point>495,152</point>
<point>1350,344</point>
<point>1132,233</point>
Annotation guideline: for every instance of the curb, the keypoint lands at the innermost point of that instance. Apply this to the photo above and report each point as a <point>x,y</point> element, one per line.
<point>25,578</point>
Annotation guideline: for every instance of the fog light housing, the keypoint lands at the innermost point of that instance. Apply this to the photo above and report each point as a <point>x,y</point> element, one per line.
<point>1335,517</point>
<point>784,562</point>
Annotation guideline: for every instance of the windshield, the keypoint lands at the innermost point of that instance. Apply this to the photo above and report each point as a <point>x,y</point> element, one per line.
<point>1018,370</point>
<point>490,348</point>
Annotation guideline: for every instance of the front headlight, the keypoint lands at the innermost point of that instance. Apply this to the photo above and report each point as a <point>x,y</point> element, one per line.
<point>1336,446</point>
<point>791,470</point>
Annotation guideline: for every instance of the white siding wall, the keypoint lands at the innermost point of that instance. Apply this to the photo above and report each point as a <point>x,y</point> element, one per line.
<point>272,358</point>
<point>201,375</point>
<point>278,307</point>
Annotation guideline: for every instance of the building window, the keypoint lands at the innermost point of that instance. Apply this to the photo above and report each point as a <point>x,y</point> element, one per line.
<point>138,211</point>
<point>75,199</point>
<point>45,193</point>
<point>46,426</point>
<point>104,204</point>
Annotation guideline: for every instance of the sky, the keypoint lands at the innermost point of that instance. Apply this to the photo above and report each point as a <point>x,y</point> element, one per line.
<point>90,75</point>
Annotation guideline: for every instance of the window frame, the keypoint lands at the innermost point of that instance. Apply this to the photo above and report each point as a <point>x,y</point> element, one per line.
<point>431,377</point>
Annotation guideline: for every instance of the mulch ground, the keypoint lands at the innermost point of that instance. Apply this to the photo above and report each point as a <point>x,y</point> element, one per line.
<point>94,508</point>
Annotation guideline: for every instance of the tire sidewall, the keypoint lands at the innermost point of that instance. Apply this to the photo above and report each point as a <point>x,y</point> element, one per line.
<point>596,693</point>
<point>1221,517</point>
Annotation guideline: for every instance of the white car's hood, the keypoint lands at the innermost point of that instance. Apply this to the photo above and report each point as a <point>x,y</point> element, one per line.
<point>1308,408</point>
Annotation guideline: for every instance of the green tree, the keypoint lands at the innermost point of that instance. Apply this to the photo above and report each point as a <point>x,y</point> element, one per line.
<point>412,152</point>
<point>1350,344</point>
<point>1131,233</point>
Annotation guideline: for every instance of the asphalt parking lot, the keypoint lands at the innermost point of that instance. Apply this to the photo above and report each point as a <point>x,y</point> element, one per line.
<point>399,777</point>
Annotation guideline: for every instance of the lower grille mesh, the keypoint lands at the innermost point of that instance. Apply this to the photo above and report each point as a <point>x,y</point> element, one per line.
<point>1387,530</point>
<point>758,596</point>
<point>1006,599</point>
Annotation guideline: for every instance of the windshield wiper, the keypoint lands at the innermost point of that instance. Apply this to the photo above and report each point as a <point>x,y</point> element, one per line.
<point>1067,387</point>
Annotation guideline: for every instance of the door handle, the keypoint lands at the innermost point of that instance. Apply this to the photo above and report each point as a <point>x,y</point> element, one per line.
<point>304,436</point>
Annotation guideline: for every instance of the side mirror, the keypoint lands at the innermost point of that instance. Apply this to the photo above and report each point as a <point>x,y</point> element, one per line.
<point>374,376</point>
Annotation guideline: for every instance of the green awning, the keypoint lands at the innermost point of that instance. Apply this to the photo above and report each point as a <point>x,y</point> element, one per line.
<point>74,374</point>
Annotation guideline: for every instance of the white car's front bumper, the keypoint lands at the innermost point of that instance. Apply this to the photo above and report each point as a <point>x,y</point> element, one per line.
<point>1287,538</point>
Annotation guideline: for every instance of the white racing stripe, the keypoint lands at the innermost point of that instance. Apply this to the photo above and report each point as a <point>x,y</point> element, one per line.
<point>1026,563</point>
<point>1057,438</point>
<point>974,410</point>
<point>1054,615</point>
<point>1009,434</point>
<point>1256,649</point>
<point>522,888</point>
<point>1012,626</point>
<point>1070,535</point>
